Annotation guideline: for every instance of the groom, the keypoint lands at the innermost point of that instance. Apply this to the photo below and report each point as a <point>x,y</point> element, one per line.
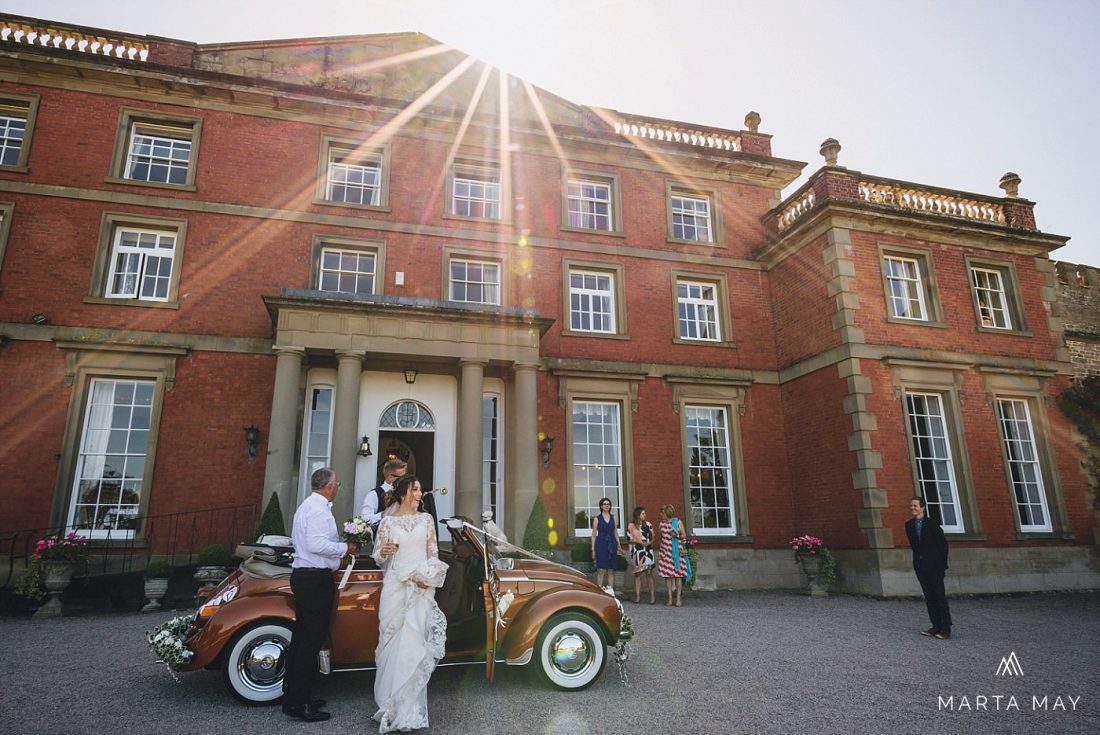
<point>317,554</point>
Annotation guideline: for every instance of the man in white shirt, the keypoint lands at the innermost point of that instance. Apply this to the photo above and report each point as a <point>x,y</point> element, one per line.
<point>373,506</point>
<point>317,554</point>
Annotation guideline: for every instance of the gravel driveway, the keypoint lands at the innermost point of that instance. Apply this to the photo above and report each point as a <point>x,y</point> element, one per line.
<point>727,662</point>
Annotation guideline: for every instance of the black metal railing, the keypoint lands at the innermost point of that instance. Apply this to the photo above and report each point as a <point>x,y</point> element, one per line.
<point>175,537</point>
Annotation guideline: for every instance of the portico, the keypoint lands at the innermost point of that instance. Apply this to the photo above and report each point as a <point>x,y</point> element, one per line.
<point>468,345</point>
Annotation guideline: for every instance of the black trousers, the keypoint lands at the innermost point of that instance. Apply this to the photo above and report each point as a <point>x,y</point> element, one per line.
<point>314,590</point>
<point>935,597</point>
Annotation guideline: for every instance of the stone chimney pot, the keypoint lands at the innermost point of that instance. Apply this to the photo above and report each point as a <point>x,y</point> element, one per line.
<point>752,122</point>
<point>1010,182</point>
<point>829,149</point>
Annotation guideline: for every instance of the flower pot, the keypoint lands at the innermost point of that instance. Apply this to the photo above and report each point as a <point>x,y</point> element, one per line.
<point>56,576</point>
<point>811,567</point>
<point>155,588</point>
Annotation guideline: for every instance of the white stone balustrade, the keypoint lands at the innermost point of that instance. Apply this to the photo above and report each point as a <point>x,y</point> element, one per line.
<point>920,200</point>
<point>72,41</point>
<point>652,130</point>
<point>795,209</point>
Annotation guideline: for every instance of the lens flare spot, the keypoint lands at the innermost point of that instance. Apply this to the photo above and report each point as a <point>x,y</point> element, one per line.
<point>552,537</point>
<point>548,486</point>
<point>549,522</point>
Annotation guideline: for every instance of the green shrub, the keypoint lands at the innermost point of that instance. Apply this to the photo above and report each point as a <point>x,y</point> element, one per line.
<point>581,551</point>
<point>536,537</point>
<point>214,555</point>
<point>271,522</point>
<point>620,563</point>
<point>158,569</point>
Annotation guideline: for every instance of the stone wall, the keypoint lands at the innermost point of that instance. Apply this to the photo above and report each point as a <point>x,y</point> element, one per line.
<point>1079,303</point>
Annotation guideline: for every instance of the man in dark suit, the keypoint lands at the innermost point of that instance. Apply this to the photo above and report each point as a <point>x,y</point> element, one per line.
<point>930,563</point>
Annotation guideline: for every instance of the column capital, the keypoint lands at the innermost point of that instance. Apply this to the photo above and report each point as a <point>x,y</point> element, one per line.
<point>518,366</point>
<point>349,355</point>
<point>472,361</point>
<point>295,351</point>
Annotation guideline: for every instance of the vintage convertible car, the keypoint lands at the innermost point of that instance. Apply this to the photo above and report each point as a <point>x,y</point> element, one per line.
<point>502,606</point>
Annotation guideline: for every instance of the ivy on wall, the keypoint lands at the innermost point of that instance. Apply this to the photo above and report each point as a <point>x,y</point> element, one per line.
<point>1080,402</point>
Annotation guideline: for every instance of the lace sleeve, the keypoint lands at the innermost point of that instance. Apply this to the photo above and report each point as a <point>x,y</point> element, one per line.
<point>382,537</point>
<point>433,545</point>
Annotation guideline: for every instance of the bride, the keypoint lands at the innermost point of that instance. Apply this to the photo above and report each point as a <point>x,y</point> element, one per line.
<point>412,629</point>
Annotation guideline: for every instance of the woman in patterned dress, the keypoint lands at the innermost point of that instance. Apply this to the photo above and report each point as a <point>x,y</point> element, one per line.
<point>671,563</point>
<point>605,544</point>
<point>640,533</point>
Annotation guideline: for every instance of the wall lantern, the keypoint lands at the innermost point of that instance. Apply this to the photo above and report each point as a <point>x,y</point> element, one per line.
<point>410,375</point>
<point>546,444</point>
<point>364,447</point>
<point>39,318</point>
<point>252,439</point>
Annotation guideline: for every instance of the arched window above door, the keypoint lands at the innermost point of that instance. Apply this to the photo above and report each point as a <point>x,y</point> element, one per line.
<point>407,416</point>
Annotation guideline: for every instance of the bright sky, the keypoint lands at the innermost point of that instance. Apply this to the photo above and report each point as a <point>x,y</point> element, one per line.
<point>951,93</point>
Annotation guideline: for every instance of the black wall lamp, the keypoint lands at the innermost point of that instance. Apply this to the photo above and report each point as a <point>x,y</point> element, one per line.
<point>546,444</point>
<point>5,340</point>
<point>364,447</point>
<point>39,318</point>
<point>252,439</point>
<point>410,375</point>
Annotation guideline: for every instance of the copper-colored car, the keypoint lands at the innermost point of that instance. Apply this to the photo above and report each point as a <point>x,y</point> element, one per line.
<point>501,607</point>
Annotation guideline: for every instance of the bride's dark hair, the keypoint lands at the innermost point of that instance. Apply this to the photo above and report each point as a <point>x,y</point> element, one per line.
<point>401,489</point>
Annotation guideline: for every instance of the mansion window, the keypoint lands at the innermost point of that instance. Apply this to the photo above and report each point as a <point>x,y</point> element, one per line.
<point>476,191</point>
<point>904,288</point>
<point>710,470</point>
<point>1025,472</point>
<point>353,178</point>
<point>347,271</point>
<point>996,297</point>
<point>474,281</point>
<point>111,463</point>
<point>17,115</point>
<point>597,460</point>
<point>316,444</point>
<point>697,311</point>
<point>691,216</point>
<point>141,264</point>
<point>591,204</point>
<point>591,301</point>
<point>157,149</point>
<point>932,458</point>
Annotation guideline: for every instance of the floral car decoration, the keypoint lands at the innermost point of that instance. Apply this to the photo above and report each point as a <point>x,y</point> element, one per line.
<point>503,606</point>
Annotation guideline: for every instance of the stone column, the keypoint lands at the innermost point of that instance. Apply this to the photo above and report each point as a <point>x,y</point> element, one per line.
<point>470,476</point>
<point>345,430</point>
<point>523,453</point>
<point>279,468</point>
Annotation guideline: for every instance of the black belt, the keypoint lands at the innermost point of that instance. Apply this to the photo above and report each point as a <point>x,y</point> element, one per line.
<point>312,570</point>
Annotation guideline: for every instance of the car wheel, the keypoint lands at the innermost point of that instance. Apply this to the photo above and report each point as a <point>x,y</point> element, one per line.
<point>571,651</point>
<point>255,663</point>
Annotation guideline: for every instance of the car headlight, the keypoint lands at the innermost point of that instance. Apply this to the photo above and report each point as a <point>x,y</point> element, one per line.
<point>211,606</point>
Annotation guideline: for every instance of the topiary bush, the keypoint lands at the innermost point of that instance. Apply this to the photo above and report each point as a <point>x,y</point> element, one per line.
<point>158,569</point>
<point>536,537</point>
<point>271,522</point>
<point>214,555</point>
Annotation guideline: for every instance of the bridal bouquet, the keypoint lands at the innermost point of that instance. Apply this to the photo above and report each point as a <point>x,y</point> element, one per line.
<point>357,531</point>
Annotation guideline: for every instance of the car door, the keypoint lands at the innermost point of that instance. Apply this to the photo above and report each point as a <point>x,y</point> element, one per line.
<point>354,629</point>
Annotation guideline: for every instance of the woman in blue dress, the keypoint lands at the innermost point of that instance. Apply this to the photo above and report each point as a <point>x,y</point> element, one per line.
<point>605,545</point>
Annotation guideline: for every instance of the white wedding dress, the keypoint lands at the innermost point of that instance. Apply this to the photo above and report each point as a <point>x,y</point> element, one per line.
<point>412,629</point>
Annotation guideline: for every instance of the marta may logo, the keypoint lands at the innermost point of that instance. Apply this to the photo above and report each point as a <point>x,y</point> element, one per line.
<point>1008,702</point>
<point>1010,666</point>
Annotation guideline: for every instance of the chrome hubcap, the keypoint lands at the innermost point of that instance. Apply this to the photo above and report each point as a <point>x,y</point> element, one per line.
<point>570,653</point>
<point>261,666</point>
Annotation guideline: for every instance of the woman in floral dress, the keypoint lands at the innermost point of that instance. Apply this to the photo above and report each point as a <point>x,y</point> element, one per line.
<point>671,562</point>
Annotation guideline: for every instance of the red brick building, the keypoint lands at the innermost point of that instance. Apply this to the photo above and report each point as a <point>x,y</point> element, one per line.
<point>378,244</point>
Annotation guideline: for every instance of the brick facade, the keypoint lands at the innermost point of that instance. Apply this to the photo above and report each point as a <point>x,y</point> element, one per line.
<point>811,373</point>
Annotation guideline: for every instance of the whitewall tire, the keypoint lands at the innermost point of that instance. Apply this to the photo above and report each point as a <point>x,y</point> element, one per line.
<point>255,663</point>
<point>571,651</point>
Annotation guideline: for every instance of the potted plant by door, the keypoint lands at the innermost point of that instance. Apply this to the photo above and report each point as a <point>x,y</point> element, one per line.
<point>157,573</point>
<point>212,561</point>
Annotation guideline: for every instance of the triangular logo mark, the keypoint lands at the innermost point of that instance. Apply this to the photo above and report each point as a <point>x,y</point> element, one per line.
<point>1010,666</point>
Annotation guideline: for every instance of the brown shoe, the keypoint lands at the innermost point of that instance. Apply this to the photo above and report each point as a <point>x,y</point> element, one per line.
<point>930,632</point>
<point>943,635</point>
